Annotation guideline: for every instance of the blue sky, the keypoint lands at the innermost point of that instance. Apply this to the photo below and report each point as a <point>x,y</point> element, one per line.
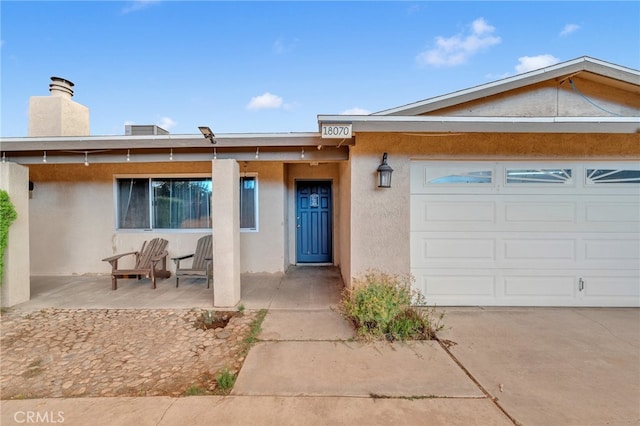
<point>245,67</point>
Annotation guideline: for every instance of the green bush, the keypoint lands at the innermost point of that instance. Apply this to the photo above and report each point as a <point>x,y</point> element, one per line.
<point>386,306</point>
<point>7,216</point>
<point>225,380</point>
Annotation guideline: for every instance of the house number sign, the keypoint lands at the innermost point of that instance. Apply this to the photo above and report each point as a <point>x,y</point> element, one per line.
<point>336,131</point>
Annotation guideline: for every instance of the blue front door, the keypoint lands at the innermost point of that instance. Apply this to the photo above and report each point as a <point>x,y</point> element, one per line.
<point>313,217</point>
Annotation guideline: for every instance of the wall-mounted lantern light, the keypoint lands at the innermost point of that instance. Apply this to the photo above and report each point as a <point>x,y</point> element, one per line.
<point>384,173</point>
<point>207,133</point>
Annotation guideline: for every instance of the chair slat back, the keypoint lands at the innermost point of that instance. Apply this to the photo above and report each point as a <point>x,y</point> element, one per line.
<point>204,249</point>
<point>150,250</point>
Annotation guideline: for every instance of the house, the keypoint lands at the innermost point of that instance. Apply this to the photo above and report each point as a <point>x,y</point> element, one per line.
<point>520,192</point>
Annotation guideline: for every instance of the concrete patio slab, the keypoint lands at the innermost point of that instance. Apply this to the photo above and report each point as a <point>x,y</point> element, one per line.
<point>309,288</point>
<point>306,325</point>
<point>420,369</point>
<point>265,411</point>
<point>94,292</point>
<point>553,365</point>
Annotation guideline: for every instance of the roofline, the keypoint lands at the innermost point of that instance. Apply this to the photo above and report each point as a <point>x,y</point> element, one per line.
<point>448,124</point>
<point>228,140</point>
<point>583,63</point>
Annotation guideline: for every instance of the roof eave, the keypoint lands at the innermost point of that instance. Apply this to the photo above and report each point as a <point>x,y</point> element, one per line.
<point>446,124</point>
<point>510,83</point>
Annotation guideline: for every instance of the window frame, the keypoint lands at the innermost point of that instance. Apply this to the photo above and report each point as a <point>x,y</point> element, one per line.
<point>150,178</point>
<point>256,195</point>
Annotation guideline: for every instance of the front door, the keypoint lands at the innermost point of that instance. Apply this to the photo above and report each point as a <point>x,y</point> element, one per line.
<point>313,222</point>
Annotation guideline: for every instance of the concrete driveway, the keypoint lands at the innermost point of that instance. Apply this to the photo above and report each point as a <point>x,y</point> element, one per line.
<point>553,366</point>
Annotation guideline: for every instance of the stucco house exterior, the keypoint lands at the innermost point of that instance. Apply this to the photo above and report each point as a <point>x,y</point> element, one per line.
<point>520,192</point>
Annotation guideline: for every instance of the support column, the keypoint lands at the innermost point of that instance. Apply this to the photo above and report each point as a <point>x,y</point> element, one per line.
<point>226,233</point>
<point>16,280</point>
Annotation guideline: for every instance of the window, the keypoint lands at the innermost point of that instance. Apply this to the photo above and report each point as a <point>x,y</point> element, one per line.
<point>596,176</point>
<point>163,203</point>
<point>248,203</point>
<point>539,176</point>
<point>465,177</point>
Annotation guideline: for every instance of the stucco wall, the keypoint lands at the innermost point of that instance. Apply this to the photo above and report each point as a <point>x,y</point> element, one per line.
<point>72,218</point>
<point>264,250</point>
<point>552,99</point>
<point>380,217</point>
<point>344,213</point>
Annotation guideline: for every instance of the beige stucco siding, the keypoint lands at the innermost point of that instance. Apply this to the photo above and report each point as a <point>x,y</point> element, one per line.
<point>264,250</point>
<point>380,217</point>
<point>585,98</point>
<point>344,229</point>
<point>72,218</point>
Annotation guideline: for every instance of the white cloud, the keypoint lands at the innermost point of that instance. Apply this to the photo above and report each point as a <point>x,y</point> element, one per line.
<point>282,46</point>
<point>136,5</point>
<point>166,123</point>
<point>355,111</point>
<point>530,63</point>
<point>457,49</point>
<point>265,101</point>
<point>569,28</point>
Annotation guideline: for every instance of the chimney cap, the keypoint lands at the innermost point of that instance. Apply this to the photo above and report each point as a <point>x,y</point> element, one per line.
<point>62,80</point>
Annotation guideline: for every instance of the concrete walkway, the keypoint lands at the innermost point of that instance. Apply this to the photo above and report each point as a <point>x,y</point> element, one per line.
<point>503,366</point>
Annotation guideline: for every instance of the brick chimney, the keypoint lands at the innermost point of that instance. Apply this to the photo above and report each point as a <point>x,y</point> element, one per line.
<point>58,114</point>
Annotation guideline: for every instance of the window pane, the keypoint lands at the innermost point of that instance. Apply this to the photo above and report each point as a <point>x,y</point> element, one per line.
<point>469,177</point>
<point>181,203</point>
<point>133,203</point>
<point>539,176</point>
<point>613,176</point>
<point>248,202</point>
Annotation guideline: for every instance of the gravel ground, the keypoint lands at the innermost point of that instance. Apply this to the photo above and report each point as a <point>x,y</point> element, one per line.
<point>56,353</point>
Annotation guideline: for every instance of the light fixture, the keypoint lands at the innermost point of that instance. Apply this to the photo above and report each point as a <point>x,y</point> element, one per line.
<point>215,154</point>
<point>302,154</point>
<point>86,158</point>
<point>4,158</point>
<point>128,155</point>
<point>207,133</point>
<point>171,155</point>
<point>44,157</point>
<point>384,173</point>
<point>257,153</point>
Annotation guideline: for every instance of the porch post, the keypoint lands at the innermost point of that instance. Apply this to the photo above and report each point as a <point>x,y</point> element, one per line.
<point>16,281</point>
<point>226,233</point>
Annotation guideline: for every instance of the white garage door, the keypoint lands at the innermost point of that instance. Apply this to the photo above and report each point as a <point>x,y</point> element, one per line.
<point>526,234</point>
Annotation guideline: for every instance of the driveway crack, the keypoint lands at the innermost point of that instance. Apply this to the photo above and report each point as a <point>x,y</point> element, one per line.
<point>446,345</point>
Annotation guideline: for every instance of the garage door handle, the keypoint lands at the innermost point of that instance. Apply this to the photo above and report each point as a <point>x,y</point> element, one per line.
<point>580,284</point>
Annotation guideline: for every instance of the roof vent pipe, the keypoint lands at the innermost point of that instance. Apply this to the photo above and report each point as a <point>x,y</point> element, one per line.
<point>61,87</point>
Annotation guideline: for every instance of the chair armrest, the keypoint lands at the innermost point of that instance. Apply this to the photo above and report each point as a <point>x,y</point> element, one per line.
<point>118,256</point>
<point>182,257</point>
<point>159,257</point>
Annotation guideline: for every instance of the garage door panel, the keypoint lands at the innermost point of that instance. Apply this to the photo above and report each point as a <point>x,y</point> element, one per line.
<point>613,250</point>
<point>429,214</point>
<point>565,213</point>
<point>540,249</point>
<point>430,251</point>
<point>536,285</point>
<point>614,213</point>
<point>526,234</point>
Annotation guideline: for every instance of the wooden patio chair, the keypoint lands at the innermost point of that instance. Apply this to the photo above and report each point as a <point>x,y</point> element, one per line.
<point>202,263</point>
<point>151,262</point>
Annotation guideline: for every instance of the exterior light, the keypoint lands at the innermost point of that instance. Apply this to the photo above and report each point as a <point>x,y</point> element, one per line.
<point>384,173</point>
<point>207,133</point>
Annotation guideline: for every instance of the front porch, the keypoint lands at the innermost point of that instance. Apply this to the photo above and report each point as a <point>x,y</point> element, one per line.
<point>301,287</point>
